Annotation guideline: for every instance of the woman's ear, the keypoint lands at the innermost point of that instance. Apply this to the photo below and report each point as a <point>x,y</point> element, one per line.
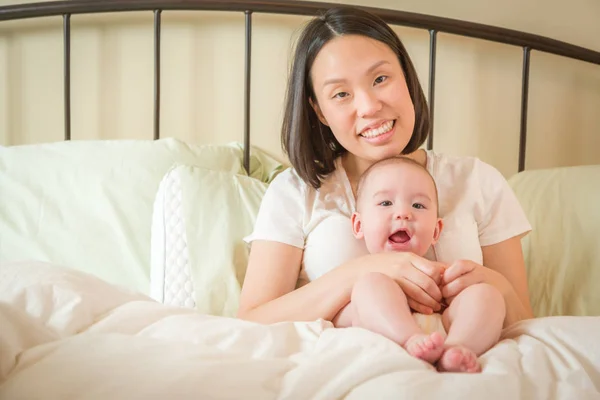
<point>357,226</point>
<point>317,109</point>
<point>438,230</point>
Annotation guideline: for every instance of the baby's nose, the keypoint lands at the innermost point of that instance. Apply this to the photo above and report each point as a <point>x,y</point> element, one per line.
<point>403,214</point>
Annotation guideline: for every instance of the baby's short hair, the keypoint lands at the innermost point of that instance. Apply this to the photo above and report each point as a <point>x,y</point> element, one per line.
<point>386,161</point>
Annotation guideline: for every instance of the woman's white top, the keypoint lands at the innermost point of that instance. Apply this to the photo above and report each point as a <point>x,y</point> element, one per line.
<point>476,203</point>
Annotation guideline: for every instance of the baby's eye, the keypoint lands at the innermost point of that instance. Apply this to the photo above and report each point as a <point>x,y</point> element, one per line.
<point>380,79</point>
<point>340,95</point>
<point>419,206</point>
<point>385,203</point>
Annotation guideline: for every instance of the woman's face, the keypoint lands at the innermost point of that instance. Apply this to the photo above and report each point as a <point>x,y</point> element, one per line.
<point>361,94</point>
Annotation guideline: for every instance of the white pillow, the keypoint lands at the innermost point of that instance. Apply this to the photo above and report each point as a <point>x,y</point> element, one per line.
<point>562,253</point>
<point>88,204</point>
<point>198,254</point>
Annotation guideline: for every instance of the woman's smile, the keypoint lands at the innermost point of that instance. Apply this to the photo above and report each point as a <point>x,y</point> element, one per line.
<point>379,133</point>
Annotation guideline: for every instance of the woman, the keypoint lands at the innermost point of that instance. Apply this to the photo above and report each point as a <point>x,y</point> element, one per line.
<point>354,98</point>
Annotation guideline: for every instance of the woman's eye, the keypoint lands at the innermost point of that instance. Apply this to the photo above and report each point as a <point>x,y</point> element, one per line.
<point>419,206</point>
<point>385,203</point>
<point>340,95</point>
<point>380,79</point>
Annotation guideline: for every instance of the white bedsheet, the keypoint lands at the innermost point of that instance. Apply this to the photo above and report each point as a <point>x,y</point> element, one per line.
<point>66,335</point>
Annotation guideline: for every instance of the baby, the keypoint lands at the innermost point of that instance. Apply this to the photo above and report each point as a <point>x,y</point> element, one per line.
<point>397,210</point>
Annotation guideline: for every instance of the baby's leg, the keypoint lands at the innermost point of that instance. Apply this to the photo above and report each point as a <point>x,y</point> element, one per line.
<point>344,317</point>
<point>380,306</point>
<point>474,324</point>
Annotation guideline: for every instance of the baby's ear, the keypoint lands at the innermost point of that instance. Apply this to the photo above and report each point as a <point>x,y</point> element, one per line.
<point>438,230</point>
<point>357,226</point>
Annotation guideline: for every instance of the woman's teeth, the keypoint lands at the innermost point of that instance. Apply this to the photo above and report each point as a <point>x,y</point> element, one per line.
<point>384,128</point>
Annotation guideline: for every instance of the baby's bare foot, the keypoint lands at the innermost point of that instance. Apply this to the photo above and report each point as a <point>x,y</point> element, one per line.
<point>458,359</point>
<point>426,347</point>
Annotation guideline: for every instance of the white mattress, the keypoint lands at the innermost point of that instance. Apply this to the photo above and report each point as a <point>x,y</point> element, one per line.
<point>170,277</point>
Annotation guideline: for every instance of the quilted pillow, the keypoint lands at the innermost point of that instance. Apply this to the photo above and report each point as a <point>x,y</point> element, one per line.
<point>199,257</point>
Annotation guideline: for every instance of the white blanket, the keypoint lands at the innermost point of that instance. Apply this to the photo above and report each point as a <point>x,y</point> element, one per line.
<point>66,335</point>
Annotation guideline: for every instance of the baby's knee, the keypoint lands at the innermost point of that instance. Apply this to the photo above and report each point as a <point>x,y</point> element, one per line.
<point>370,283</point>
<point>487,294</point>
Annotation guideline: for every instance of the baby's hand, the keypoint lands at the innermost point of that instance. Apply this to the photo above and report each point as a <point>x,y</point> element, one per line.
<point>444,302</point>
<point>460,275</point>
<point>442,271</point>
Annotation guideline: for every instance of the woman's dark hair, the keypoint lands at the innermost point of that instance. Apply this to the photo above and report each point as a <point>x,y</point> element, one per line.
<point>308,143</point>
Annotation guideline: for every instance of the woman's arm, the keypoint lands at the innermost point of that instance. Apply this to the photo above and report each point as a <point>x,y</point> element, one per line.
<point>506,258</point>
<point>268,294</point>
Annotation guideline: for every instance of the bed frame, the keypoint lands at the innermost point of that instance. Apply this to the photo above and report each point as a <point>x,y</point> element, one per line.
<point>526,41</point>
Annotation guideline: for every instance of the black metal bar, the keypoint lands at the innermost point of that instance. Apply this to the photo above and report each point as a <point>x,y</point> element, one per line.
<point>247,65</point>
<point>157,74</point>
<point>432,53</point>
<point>524,98</point>
<point>67,74</point>
<point>395,17</point>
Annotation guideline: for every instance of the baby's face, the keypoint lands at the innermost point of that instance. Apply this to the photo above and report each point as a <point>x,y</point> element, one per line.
<point>397,210</point>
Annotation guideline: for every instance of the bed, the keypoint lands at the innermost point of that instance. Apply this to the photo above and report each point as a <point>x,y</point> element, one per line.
<point>121,261</point>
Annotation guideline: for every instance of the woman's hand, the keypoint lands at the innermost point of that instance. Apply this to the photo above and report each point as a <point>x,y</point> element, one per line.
<point>419,278</point>
<point>464,273</point>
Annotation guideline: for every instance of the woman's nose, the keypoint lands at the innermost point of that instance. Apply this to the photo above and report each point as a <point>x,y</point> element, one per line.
<point>367,104</point>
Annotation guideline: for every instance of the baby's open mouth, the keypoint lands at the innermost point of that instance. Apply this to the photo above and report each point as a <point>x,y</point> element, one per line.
<point>401,236</point>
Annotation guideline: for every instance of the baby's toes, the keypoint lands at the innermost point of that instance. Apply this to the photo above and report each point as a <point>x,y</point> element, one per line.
<point>415,349</point>
<point>436,339</point>
<point>472,363</point>
<point>427,344</point>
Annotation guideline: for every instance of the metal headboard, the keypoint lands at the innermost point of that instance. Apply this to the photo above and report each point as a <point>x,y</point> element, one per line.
<point>526,41</point>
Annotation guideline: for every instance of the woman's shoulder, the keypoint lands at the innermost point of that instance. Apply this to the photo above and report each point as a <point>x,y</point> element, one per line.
<point>290,180</point>
<point>466,168</point>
